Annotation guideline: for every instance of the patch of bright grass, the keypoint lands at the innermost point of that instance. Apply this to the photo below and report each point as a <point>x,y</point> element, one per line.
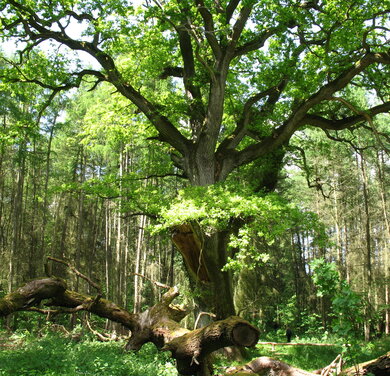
<point>53,355</point>
<point>304,357</point>
<point>315,357</point>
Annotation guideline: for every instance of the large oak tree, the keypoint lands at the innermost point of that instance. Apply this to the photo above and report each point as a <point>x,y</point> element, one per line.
<point>224,83</point>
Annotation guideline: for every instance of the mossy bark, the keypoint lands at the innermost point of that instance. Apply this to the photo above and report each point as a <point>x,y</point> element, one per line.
<point>31,294</point>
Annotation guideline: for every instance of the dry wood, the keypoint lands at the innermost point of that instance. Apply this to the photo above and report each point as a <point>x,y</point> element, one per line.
<point>267,366</point>
<point>202,314</point>
<point>335,366</point>
<point>378,367</point>
<point>295,344</point>
<point>100,336</point>
<point>273,344</point>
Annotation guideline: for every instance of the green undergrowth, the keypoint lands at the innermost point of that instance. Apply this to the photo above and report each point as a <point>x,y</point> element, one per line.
<point>305,357</point>
<point>24,354</point>
<point>315,357</point>
<point>53,355</point>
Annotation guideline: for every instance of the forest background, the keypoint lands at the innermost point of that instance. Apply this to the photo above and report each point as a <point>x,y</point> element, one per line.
<point>85,178</point>
<point>84,184</point>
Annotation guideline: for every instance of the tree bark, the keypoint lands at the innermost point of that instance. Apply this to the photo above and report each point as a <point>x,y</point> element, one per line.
<point>205,256</point>
<point>137,280</point>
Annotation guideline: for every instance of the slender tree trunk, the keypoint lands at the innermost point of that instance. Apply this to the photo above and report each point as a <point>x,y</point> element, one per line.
<point>126,234</point>
<point>386,251</point>
<point>138,267</point>
<point>387,294</point>
<point>80,217</point>
<point>107,246</point>
<point>170,276</point>
<point>17,221</point>
<point>368,266</point>
<point>32,200</point>
<point>339,251</point>
<point>45,189</point>
<point>347,251</point>
<point>17,215</point>
<point>3,221</point>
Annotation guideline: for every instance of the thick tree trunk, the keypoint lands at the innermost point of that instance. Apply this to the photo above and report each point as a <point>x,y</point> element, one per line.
<point>204,256</point>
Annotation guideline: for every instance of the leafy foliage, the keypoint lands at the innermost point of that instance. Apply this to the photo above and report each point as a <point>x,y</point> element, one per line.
<point>221,207</point>
<point>347,307</point>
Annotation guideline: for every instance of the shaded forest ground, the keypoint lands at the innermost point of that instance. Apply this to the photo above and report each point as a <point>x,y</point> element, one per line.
<point>56,354</point>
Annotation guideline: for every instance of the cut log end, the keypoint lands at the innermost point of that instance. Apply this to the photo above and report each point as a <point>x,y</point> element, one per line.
<point>245,335</point>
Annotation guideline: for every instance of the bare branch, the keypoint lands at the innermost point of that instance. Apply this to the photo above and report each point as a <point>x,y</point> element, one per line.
<point>231,141</point>
<point>240,24</point>
<point>158,284</point>
<point>81,16</point>
<point>203,314</point>
<point>79,274</point>
<point>317,181</point>
<point>347,141</point>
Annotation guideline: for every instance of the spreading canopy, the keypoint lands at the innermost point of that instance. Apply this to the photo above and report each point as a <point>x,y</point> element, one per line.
<point>223,82</point>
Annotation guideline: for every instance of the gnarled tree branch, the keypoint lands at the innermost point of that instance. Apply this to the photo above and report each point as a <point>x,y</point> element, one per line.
<point>158,324</point>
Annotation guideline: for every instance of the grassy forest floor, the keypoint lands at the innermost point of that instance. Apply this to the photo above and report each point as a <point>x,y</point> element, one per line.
<point>53,354</point>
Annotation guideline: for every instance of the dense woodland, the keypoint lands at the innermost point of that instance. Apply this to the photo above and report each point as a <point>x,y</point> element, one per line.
<point>245,161</point>
<point>83,185</point>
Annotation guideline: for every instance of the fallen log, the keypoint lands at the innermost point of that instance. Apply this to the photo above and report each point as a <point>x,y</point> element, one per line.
<point>274,344</point>
<point>295,344</point>
<point>377,367</point>
<point>265,366</point>
<point>158,324</point>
